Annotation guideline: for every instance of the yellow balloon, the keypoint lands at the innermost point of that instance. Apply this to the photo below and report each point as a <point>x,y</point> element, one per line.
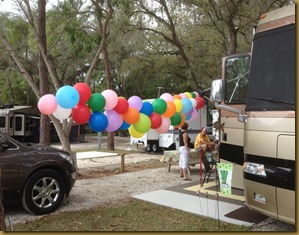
<point>178,105</point>
<point>135,133</point>
<point>188,94</point>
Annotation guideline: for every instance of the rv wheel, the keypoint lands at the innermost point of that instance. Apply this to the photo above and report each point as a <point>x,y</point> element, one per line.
<point>148,147</point>
<point>155,147</point>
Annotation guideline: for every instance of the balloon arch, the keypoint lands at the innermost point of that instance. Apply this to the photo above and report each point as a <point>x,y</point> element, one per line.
<point>107,111</point>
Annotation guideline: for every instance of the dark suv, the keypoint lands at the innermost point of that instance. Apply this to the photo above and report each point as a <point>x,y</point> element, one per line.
<point>36,176</point>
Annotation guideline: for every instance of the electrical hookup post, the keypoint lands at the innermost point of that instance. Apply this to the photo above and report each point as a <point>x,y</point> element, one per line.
<point>225,172</point>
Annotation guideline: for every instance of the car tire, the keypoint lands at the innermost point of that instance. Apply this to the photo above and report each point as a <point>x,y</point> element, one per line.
<point>43,192</point>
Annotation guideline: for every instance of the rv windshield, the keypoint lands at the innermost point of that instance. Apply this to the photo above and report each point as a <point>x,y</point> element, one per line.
<point>236,79</point>
<point>272,74</point>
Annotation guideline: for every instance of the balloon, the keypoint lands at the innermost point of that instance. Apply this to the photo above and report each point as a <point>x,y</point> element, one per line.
<point>47,104</point>
<point>171,108</point>
<point>135,133</point>
<point>147,108</point>
<point>194,102</point>
<point>182,120</point>
<point>183,95</point>
<point>164,126</point>
<point>166,97</point>
<point>67,97</point>
<point>61,113</point>
<point>194,115</point>
<point>135,102</point>
<point>114,120</point>
<point>122,105</point>
<point>97,102</point>
<point>98,122</point>
<point>84,91</point>
<point>187,105</point>
<point>81,113</point>
<point>200,102</point>
<point>175,119</point>
<point>159,106</point>
<point>111,99</point>
<point>124,126</point>
<point>143,124</point>
<point>178,97</point>
<point>178,105</point>
<point>156,120</point>
<point>188,94</point>
<point>196,94</point>
<point>193,94</point>
<point>131,116</point>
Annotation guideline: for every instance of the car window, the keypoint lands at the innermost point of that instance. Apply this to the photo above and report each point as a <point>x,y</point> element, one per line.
<point>3,140</point>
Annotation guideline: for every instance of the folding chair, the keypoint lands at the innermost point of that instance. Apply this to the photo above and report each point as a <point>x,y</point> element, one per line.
<point>210,168</point>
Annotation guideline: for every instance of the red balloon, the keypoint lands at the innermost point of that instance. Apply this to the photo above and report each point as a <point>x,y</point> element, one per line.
<point>200,102</point>
<point>122,105</point>
<point>156,120</point>
<point>84,91</point>
<point>81,113</point>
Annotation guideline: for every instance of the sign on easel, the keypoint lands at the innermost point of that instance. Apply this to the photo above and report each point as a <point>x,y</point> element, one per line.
<point>225,172</point>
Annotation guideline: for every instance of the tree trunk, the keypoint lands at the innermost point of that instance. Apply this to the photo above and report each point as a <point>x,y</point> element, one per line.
<point>44,137</point>
<point>110,137</point>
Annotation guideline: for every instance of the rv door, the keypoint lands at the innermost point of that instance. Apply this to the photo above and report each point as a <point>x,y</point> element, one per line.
<point>19,125</point>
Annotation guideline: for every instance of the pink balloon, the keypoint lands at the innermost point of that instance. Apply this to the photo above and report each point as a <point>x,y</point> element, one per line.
<point>183,95</point>
<point>111,99</point>
<point>47,104</point>
<point>135,102</point>
<point>196,93</point>
<point>114,120</point>
<point>167,97</point>
<point>164,126</point>
<point>194,115</point>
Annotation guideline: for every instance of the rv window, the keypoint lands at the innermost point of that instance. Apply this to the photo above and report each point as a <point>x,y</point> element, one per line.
<point>2,122</point>
<point>18,126</point>
<point>236,79</point>
<point>272,74</point>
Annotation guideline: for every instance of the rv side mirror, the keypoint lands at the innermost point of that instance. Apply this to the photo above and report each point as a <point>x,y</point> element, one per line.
<point>216,94</point>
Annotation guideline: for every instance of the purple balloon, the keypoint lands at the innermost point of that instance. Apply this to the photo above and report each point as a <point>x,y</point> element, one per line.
<point>135,102</point>
<point>114,120</point>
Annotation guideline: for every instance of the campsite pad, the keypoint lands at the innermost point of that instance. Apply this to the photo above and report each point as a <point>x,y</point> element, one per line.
<point>209,189</point>
<point>245,214</point>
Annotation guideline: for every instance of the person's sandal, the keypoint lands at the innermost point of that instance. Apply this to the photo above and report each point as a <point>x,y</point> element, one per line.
<point>187,179</point>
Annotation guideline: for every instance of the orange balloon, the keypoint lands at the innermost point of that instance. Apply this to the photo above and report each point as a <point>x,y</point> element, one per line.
<point>182,122</point>
<point>131,116</point>
<point>178,97</point>
<point>171,109</point>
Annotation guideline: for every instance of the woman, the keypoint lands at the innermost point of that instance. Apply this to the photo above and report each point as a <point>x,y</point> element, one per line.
<point>184,141</point>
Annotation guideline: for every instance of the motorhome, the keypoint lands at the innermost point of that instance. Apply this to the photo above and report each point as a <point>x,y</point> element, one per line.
<point>264,84</point>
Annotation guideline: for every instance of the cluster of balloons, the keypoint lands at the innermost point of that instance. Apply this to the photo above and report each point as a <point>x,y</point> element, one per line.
<point>107,112</point>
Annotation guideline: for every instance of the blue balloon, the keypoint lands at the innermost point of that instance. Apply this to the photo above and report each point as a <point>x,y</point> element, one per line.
<point>98,122</point>
<point>187,105</point>
<point>124,126</point>
<point>147,108</point>
<point>67,97</point>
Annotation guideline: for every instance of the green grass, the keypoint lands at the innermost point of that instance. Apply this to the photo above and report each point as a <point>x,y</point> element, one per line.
<point>135,215</point>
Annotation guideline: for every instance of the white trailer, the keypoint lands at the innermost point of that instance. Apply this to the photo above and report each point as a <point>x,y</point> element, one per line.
<point>18,121</point>
<point>154,141</point>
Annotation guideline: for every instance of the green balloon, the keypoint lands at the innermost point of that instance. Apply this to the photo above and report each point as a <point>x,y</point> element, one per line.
<point>193,94</point>
<point>175,119</point>
<point>96,102</point>
<point>159,106</point>
<point>143,124</point>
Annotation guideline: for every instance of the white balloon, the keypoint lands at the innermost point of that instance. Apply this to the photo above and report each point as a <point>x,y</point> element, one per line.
<point>62,113</point>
